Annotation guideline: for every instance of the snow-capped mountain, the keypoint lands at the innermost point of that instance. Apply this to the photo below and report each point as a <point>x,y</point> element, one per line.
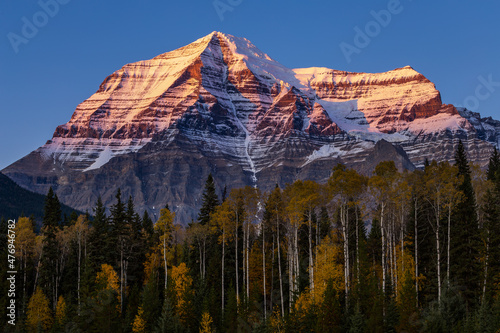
<point>156,128</point>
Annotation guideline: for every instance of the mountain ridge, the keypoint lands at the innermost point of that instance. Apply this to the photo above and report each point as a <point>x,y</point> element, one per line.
<point>16,201</point>
<point>157,128</point>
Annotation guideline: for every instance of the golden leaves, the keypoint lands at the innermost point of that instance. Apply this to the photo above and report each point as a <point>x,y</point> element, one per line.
<point>39,314</point>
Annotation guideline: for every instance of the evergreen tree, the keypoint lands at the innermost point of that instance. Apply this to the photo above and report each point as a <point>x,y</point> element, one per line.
<point>151,303</point>
<point>464,259</point>
<point>73,217</point>
<point>98,253</point>
<point>135,249</point>
<point>357,321</point>
<point>491,231</point>
<point>444,316</point>
<point>374,243</point>
<point>209,201</point>
<point>491,240</point>
<point>50,253</point>
<point>147,224</point>
<point>330,311</point>
<point>408,312</point>
<point>106,303</point>
<point>168,322</point>
<point>494,166</point>
<point>116,229</point>
<point>231,311</point>
<point>120,229</point>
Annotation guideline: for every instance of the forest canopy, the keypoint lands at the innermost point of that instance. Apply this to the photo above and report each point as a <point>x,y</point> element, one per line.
<point>394,252</point>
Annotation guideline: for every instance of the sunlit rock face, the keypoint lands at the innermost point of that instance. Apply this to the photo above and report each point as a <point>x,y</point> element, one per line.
<point>156,128</point>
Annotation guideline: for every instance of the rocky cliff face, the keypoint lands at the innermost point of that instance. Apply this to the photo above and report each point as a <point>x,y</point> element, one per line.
<point>157,128</point>
<point>487,129</point>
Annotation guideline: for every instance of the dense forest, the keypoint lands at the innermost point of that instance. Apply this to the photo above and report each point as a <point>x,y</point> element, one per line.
<point>395,252</point>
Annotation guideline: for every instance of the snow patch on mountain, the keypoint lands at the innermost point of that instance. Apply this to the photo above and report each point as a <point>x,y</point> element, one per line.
<point>439,122</point>
<point>338,150</point>
<point>103,158</point>
<point>87,154</point>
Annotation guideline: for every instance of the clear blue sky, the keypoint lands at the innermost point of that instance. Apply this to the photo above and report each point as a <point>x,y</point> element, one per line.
<point>453,43</point>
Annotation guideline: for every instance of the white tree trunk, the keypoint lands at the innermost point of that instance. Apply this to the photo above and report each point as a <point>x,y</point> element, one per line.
<point>311,263</point>
<point>290,256</point>
<point>236,263</point>
<point>200,250</point>
<point>79,261</point>
<point>448,249</point>
<point>204,257</point>
<point>121,276</point>
<point>438,253</point>
<point>382,230</point>
<point>486,263</point>
<point>244,252</point>
<point>223,258</point>
<point>416,250</point>
<point>165,259</point>
<point>264,271</point>
<point>248,262</point>
<point>279,266</point>
<point>357,246</point>
<point>296,261</point>
<point>344,217</point>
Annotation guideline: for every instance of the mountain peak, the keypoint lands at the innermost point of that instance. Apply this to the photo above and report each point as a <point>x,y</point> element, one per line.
<point>156,128</point>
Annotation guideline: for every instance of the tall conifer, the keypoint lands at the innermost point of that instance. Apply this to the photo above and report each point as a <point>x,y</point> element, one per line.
<point>465,235</point>
<point>50,250</point>
<point>210,201</point>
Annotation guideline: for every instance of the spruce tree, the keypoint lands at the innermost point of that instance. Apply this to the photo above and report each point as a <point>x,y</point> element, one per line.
<point>135,249</point>
<point>50,250</point>
<point>147,223</point>
<point>148,232</point>
<point>210,201</point>
<point>151,303</point>
<point>73,217</point>
<point>374,243</point>
<point>98,237</point>
<point>465,269</point>
<point>494,166</point>
<point>491,231</point>
<point>116,223</point>
<point>120,229</point>
<point>330,312</point>
<point>168,321</point>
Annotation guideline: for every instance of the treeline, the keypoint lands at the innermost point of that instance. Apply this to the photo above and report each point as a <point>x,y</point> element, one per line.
<point>395,252</point>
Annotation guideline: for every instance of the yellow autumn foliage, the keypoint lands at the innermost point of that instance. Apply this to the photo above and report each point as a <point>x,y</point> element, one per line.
<point>108,279</point>
<point>182,288</point>
<point>25,239</point>
<point>206,323</point>
<point>39,314</point>
<point>406,264</point>
<point>276,322</point>
<point>139,325</point>
<point>61,311</point>
<point>328,266</point>
<point>153,262</point>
